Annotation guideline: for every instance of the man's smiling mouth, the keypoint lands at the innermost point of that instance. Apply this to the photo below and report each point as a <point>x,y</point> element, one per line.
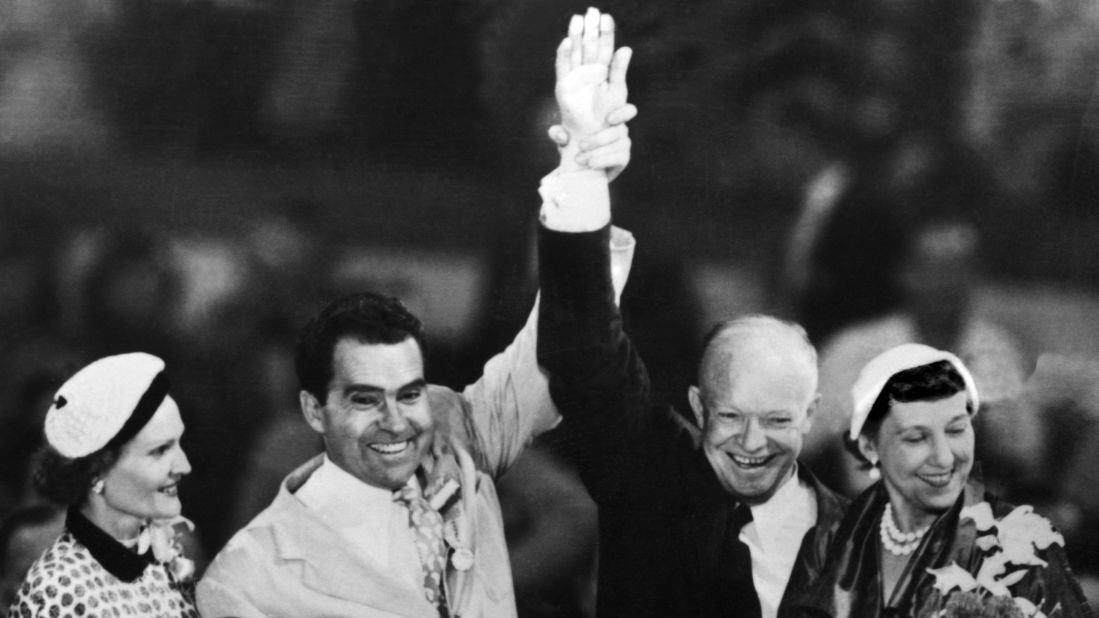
<point>750,462</point>
<point>390,448</point>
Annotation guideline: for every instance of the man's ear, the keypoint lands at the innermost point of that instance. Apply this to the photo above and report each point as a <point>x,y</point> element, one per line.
<point>810,410</point>
<point>694,396</point>
<point>312,410</point>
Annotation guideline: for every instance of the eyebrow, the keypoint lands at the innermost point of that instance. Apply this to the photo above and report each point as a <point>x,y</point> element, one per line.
<point>157,444</point>
<point>370,388</point>
<point>765,413</point>
<point>417,383</point>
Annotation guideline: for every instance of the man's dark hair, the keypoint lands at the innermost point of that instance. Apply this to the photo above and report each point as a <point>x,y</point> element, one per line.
<point>67,480</point>
<point>367,318</point>
<point>929,382</point>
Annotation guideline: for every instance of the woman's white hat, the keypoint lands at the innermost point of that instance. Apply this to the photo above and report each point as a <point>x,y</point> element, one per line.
<point>876,373</point>
<point>92,408</point>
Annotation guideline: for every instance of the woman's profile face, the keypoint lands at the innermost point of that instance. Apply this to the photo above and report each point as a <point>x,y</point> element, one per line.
<point>926,452</point>
<point>144,482</point>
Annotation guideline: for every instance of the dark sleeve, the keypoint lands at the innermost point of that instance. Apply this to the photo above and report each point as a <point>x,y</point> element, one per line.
<point>1055,585</point>
<point>597,380</point>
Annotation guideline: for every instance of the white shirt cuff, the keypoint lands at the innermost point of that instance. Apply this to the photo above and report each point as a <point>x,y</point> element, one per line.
<point>622,247</point>
<point>575,201</point>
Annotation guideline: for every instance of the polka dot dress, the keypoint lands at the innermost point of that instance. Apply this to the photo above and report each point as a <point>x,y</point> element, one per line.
<point>68,581</point>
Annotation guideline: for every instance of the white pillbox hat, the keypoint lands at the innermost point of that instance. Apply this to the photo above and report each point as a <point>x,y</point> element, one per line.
<point>874,376</point>
<point>110,399</point>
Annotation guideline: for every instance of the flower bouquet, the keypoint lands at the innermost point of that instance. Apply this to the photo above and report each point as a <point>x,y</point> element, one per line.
<point>1009,546</point>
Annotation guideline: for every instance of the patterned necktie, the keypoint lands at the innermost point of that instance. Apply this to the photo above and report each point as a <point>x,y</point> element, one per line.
<point>427,532</point>
<point>736,566</point>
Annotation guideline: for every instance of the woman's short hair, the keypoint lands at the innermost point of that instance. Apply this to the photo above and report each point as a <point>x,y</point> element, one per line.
<point>930,382</point>
<point>67,480</point>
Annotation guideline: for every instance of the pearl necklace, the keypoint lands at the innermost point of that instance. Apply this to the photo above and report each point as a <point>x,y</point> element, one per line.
<point>896,542</point>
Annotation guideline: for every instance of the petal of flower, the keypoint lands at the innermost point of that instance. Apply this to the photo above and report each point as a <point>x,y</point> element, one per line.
<point>953,576</point>
<point>1025,606</point>
<point>1024,556</point>
<point>981,514</point>
<point>1013,578</point>
<point>1017,514</point>
<point>162,537</point>
<point>987,542</point>
<point>996,589</point>
<point>144,539</point>
<point>182,568</point>
<point>179,519</point>
<point>1024,523</point>
<point>991,569</point>
<point>1023,530</point>
<point>1019,549</point>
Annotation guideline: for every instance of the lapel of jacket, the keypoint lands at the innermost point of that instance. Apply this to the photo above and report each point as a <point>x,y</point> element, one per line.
<point>814,546</point>
<point>704,527</point>
<point>330,566</point>
<point>460,530</point>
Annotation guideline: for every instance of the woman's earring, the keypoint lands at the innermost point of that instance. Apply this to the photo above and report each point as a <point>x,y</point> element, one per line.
<point>874,472</point>
<point>98,486</point>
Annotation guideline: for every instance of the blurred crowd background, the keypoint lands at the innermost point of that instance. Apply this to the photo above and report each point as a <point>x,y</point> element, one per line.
<point>194,178</point>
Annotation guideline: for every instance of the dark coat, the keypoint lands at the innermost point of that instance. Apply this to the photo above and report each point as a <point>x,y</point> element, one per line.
<point>662,511</point>
<point>851,582</point>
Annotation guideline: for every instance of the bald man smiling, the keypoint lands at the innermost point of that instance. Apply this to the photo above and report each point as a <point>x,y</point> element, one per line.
<point>695,519</point>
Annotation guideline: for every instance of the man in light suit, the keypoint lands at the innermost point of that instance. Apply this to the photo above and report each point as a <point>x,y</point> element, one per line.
<point>399,516</point>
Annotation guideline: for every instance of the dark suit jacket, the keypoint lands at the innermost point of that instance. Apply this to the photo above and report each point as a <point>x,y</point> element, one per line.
<point>662,511</point>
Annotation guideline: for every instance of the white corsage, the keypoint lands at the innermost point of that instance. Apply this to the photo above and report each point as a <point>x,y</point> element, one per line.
<point>442,500</point>
<point>162,537</point>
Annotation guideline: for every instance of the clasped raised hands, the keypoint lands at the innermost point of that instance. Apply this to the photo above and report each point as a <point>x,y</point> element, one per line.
<point>591,96</point>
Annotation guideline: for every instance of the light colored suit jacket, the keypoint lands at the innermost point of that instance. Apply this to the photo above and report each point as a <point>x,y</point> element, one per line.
<point>289,562</point>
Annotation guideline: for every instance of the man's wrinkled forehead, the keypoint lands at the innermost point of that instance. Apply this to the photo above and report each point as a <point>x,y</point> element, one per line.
<point>356,356</point>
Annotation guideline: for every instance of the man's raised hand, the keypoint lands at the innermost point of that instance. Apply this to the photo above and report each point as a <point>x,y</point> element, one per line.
<point>591,95</point>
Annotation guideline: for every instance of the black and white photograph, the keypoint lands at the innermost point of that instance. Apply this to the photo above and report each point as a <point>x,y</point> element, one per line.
<point>549,309</point>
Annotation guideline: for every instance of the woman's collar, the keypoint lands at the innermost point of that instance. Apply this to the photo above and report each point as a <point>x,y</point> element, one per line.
<point>119,561</point>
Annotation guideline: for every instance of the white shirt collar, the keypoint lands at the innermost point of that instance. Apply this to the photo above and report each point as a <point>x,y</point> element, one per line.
<point>343,500</point>
<point>792,508</point>
<point>374,524</point>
